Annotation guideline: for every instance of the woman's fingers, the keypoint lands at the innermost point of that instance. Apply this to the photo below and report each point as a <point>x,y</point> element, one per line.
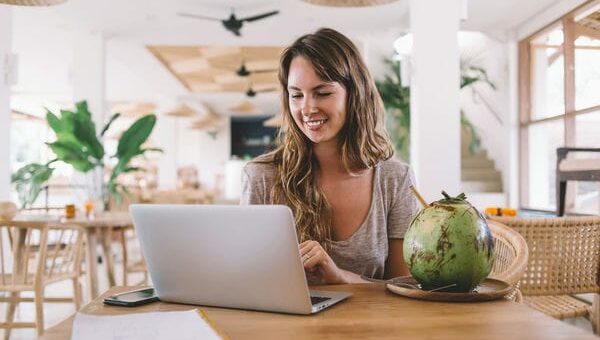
<point>312,255</point>
<point>307,246</point>
<point>313,259</point>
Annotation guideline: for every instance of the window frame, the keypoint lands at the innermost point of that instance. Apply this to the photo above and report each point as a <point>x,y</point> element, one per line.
<point>569,114</point>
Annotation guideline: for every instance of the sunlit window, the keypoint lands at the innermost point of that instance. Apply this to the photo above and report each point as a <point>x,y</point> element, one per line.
<point>562,103</point>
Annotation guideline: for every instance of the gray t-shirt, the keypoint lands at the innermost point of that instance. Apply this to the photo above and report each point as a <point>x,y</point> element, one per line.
<point>392,208</point>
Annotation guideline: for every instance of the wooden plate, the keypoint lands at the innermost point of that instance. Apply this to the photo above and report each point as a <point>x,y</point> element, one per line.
<point>489,289</point>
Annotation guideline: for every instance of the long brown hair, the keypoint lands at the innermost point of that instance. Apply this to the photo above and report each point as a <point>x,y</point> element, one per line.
<point>363,141</point>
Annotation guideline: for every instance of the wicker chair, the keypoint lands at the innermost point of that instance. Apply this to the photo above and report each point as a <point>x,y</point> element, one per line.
<point>133,260</point>
<point>573,169</point>
<point>564,259</point>
<point>32,256</point>
<point>511,251</point>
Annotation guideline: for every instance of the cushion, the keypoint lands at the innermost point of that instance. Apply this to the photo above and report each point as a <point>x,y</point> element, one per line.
<point>579,164</point>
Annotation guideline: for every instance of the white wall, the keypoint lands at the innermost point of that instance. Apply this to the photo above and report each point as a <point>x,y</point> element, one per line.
<point>490,54</point>
<point>5,49</point>
<point>207,154</point>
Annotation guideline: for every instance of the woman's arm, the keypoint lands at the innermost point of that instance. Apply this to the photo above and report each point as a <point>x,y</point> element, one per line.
<point>395,265</point>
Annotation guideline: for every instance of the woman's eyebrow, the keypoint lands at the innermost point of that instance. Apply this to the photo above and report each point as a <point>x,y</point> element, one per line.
<point>318,87</point>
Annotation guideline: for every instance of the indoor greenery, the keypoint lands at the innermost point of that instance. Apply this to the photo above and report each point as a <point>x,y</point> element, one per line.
<point>79,145</point>
<point>396,99</point>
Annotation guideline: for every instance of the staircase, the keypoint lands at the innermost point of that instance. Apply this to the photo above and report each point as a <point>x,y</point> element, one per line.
<point>478,173</point>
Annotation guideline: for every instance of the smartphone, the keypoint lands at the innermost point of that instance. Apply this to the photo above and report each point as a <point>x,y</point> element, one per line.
<point>133,298</point>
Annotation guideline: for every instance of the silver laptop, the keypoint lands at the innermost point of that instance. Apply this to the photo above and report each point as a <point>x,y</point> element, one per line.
<point>227,256</point>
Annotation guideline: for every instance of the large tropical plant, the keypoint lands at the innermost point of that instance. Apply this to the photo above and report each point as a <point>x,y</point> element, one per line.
<point>396,98</point>
<point>79,145</point>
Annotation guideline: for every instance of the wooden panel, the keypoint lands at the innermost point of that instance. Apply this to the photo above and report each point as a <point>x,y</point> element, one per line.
<point>213,68</point>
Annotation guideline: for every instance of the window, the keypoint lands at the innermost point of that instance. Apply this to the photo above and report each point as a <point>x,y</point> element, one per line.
<point>560,105</point>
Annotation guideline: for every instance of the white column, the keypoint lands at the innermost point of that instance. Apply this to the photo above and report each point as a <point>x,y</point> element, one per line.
<point>89,74</point>
<point>511,177</point>
<point>5,49</point>
<point>89,81</point>
<point>435,113</point>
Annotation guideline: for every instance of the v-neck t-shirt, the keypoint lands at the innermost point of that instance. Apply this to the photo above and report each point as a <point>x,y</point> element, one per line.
<point>392,209</point>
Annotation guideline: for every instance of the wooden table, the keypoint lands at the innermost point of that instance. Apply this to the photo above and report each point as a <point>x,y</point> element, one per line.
<point>99,227</point>
<point>372,312</point>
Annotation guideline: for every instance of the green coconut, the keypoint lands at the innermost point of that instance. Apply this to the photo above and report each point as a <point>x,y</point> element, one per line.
<point>449,243</point>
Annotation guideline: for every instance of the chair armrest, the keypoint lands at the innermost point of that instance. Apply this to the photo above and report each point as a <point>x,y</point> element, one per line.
<point>561,153</point>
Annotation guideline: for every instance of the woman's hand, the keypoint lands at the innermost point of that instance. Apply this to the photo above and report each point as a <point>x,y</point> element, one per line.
<point>316,260</point>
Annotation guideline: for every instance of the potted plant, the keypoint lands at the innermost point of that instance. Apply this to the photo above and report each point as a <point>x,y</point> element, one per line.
<point>79,145</point>
<point>396,99</point>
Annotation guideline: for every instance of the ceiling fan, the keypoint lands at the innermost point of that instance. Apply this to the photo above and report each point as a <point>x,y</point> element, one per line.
<point>243,71</point>
<point>251,92</point>
<point>232,24</point>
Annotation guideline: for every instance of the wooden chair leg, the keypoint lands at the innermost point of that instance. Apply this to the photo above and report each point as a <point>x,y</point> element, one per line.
<point>77,293</point>
<point>518,296</point>
<point>106,236</point>
<point>561,192</point>
<point>10,313</point>
<point>39,310</point>
<point>124,253</point>
<point>595,313</point>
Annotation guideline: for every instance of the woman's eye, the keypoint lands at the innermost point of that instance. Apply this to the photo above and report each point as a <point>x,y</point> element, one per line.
<point>323,94</point>
<point>296,95</point>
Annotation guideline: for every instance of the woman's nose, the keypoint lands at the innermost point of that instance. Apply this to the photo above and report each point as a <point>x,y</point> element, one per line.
<point>308,106</point>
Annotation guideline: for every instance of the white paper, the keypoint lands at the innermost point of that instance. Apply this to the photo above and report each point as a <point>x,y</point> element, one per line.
<point>157,325</point>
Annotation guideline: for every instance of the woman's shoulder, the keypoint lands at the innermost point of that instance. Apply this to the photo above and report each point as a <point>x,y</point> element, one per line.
<point>394,168</point>
<point>259,169</point>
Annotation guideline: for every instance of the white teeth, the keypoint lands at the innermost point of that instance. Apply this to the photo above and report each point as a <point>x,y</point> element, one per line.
<point>315,122</point>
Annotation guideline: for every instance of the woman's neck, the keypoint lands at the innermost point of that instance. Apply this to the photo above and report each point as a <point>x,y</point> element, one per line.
<point>329,157</point>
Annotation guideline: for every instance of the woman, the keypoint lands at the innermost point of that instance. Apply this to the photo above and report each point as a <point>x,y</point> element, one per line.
<point>333,166</point>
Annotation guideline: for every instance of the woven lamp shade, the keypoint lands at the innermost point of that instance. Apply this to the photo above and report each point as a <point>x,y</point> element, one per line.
<point>32,2</point>
<point>274,122</point>
<point>182,111</point>
<point>349,3</point>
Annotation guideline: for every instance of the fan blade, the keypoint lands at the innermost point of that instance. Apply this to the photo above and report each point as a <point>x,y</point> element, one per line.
<point>264,71</point>
<point>235,31</point>
<point>260,16</point>
<point>197,16</point>
<point>271,89</point>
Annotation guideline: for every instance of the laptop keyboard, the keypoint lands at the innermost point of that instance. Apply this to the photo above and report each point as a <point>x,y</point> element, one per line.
<point>318,299</point>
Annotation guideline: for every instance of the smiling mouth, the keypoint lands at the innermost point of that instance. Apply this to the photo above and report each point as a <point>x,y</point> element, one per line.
<point>315,123</point>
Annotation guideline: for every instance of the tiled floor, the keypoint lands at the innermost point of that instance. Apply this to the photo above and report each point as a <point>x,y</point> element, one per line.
<point>56,312</point>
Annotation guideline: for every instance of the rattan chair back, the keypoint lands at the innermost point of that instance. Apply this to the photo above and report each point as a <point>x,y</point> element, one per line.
<point>564,254</point>
<point>510,261</point>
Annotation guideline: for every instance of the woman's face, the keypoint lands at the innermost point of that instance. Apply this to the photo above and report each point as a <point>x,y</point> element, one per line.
<point>317,106</point>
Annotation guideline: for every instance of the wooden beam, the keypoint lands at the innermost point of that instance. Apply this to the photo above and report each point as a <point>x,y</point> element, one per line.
<point>559,47</point>
<point>524,117</point>
<point>569,76</point>
<point>586,31</point>
<point>569,70</point>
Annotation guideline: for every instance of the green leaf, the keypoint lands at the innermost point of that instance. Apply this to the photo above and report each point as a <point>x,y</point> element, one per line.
<point>54,122</point>
<point>29,180</point>
<point>72,154</point>
<point>85,133</point>
<point>152,150</point>
<point>82,108</point>
<point>66,118</point>
<point>133,138</point>
<point>110,121</point>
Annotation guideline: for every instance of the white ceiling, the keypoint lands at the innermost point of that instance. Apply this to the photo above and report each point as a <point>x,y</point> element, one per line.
<point>129,25</point>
